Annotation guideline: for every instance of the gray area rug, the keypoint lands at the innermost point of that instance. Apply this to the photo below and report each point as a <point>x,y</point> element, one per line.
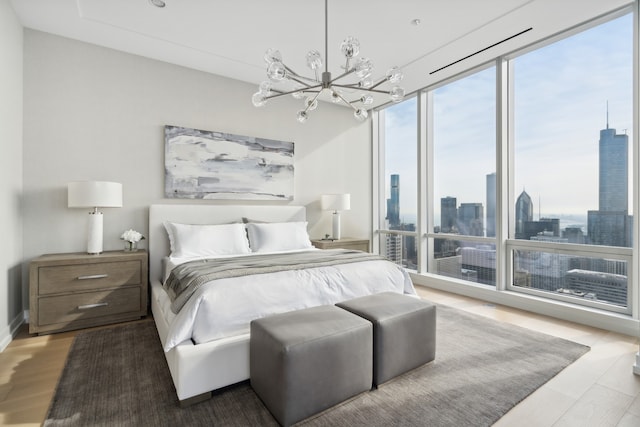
<point>119,377</point>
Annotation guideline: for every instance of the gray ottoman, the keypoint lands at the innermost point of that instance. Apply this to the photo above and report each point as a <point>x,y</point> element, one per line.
<point>404,332</point>
<point>306,361</point>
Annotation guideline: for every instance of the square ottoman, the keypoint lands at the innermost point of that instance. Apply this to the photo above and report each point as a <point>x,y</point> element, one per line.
<point>404,332</point>
<point>305,361</point>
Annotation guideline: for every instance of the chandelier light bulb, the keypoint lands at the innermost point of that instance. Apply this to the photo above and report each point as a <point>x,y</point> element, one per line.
<point>363,68</point>
<point>272,55</point>
<point>394,75</point>
<point>265,88</point>
<point>361,114</point>
<point>276,71</point>
<point>366,99</point>
<point>335,97</point>
<point>350,47</point>
<point>302,116</point>
<point>366,82</point>
<point>396,94</point>
<point>258,99</point>
<point>314,60</point>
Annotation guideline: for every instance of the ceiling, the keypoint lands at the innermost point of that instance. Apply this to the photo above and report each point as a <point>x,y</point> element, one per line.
<point>229,38</point>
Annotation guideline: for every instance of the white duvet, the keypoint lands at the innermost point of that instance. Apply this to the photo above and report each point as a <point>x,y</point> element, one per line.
<point>225,307</point>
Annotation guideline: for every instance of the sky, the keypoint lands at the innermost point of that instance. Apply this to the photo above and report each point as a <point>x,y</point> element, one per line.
<point>561,93</point>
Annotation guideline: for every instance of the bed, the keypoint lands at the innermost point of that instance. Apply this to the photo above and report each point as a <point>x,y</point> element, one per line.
<point>200,364</point>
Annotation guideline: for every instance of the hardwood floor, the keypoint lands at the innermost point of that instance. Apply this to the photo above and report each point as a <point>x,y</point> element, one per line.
<point>597,390</point>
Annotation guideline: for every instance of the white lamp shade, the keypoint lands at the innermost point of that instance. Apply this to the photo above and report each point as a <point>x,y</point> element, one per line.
<point>92,194</point>
<point>335,202</point>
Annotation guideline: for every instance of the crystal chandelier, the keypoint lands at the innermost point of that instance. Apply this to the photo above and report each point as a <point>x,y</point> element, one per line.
<point>310,88</point>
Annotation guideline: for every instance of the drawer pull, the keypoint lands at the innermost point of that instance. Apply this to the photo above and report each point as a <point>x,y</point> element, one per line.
<point>93,276</point>
<point>88,306</point>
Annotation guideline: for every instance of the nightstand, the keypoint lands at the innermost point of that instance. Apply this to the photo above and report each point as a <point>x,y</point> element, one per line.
<point>344,243</point>
<point>74,291</point>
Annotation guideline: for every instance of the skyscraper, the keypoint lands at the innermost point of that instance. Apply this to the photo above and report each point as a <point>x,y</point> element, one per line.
<point>448,215</point>
<point>491,205</point>
<point>524,213</point>
<point>471,219</point>
<point>614,172</point>
<point>393,202</point>
<point>611,225</point>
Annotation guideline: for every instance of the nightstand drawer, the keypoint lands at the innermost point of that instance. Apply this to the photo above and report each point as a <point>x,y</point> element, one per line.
<point>65,278</point>
<point>88,305</point>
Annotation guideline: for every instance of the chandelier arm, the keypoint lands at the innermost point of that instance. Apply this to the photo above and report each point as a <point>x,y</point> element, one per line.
<point>307,85</point>
<point>293,73</point>
<point>367,89</point>
<point>347,102</point>
<point>279,94</point>
<point>309,104</point>
<point>382,80</point>
<point>343,75</point>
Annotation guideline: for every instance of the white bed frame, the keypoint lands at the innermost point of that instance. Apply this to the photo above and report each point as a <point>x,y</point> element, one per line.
<point>199,369</point>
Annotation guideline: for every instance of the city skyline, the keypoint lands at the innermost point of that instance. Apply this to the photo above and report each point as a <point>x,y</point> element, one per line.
<point>562,136</point>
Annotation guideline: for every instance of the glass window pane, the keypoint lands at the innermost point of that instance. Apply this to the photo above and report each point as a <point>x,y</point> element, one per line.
<point>464,122</point>
<point>578,277</point>
<point>465,260</point>
<point>401,180</point>
<point>573,123</point>
<point>400,249</point>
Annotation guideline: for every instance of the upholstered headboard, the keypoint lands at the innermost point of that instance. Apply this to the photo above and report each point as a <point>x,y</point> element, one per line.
<point>206,214</point>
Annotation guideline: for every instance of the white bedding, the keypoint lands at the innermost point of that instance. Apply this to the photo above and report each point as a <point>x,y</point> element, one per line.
<point>225,307</point>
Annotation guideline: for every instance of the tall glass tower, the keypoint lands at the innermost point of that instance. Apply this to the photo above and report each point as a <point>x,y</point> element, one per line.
<point>471,219</point>
<point>393,203</point>
<point>524,213</point>
<point>448,215</point>
<point>614,171</point>
<point>611,225</point>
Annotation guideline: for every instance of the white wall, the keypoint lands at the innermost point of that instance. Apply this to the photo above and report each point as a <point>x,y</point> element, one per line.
<point>93,113</point>
<point>10,172</point>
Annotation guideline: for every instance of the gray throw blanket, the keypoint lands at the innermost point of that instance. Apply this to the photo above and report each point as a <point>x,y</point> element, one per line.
<point>186,278</point>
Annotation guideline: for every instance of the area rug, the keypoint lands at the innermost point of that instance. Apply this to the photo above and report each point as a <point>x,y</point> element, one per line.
<point>119,377</point>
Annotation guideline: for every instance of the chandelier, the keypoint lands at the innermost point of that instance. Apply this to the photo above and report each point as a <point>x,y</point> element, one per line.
<point>355,77</point>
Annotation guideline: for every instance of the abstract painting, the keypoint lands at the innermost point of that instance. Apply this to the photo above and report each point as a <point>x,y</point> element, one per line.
<point>202,164</point>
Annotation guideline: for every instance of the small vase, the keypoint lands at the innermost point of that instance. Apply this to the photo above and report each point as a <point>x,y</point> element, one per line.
<point>130,246</point>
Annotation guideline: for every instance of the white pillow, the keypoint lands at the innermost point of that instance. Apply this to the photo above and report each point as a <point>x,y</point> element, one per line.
<point>197,241</point>
<point>278,236</point>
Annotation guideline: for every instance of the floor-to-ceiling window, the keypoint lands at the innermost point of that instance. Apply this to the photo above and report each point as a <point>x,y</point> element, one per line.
<point>399,209</point>
<point>572,108</point>
<point>567,230</point>
<point>462,167</point>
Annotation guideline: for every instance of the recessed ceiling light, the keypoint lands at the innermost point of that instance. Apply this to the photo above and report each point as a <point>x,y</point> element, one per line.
<point>415,22</point>
<point>158,3</point>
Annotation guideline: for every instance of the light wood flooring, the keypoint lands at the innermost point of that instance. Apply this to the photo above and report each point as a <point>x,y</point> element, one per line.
<point>597,390</point>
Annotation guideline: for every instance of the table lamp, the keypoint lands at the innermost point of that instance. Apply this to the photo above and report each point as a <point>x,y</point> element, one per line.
<point>94,194</point>
<point>336,203</point>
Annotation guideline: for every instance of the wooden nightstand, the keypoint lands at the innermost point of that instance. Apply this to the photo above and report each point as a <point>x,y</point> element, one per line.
<point>74,291</point>
<point>344,243</point>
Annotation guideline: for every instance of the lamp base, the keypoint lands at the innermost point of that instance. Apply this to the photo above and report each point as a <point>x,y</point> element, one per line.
<point>336,226</point>
<point>94,241</point>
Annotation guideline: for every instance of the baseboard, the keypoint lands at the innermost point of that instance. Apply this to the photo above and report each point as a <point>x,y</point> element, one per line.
<point>10,331</point>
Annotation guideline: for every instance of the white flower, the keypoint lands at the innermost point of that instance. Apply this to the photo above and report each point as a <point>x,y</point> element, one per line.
<point>132,236</point>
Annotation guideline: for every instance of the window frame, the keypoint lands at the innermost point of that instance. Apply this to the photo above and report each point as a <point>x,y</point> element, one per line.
<point>504,239</point>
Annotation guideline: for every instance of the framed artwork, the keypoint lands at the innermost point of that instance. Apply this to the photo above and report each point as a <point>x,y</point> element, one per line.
<point>201,164</point>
